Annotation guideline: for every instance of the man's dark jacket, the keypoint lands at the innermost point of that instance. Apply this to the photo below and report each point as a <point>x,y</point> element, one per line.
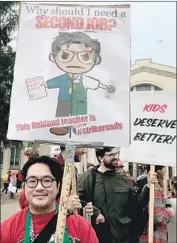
<point>115,198</point>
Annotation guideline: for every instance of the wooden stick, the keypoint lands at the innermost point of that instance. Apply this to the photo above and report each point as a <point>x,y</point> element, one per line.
<point>74,184</point>
<point>85,159</point>
<point>65,193</point>
<point>151,208</point>
<point>165,182</point>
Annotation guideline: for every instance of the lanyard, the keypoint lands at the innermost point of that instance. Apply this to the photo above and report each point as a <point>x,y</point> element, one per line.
<point>29,229</point>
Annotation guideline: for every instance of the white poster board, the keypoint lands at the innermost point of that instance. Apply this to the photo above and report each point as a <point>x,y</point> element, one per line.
<point>72,74</point>
<point>153,129</point>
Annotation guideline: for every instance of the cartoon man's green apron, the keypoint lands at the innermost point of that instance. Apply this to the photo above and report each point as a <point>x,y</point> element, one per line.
<point>75,54</point>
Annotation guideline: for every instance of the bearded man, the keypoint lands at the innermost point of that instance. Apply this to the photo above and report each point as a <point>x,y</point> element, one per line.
<point>113,198</point>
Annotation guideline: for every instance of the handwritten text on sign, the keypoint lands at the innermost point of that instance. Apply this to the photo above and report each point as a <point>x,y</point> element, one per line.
<point>77,18</point>
<point>156,123</point>
<point>153,133</point>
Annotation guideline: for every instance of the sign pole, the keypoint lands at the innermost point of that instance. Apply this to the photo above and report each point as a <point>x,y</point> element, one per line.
<point>85,159</point>
<point>68,180</point>
<point>165,182</point>
<point>74,184</point>
<point>65,192</point>
<point>151,208</point>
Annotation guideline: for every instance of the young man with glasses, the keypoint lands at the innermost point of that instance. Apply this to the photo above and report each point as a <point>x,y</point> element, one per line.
<point>75,54</point>
<point>113,197</point>
<point>58,159</point>
<point>43,177</point>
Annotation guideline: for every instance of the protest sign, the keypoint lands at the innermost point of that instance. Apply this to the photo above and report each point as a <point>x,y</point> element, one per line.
<point>153,129</point>
<point>72,74</point>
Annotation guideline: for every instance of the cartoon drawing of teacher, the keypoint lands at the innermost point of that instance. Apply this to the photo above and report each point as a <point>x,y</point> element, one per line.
<point>75,54</point>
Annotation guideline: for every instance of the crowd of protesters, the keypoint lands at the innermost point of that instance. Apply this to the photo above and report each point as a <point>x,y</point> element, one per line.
<point>116,203</point>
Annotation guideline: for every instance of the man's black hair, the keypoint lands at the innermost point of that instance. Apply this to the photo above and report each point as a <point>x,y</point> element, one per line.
<point>62,148</point>
<point>173,179</point>
<point>174,182</point>
<point>101,152</point>
<point>54,167</point>
<point>157,167</point>
<point>65,38</point>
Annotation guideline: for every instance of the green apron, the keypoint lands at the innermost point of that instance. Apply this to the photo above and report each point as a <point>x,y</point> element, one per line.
<point>28,229</point>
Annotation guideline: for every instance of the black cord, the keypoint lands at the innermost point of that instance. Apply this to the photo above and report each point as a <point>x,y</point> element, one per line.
<point>72,85</point>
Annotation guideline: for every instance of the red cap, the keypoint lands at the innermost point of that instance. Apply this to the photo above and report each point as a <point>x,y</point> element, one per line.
<point>120,164</point>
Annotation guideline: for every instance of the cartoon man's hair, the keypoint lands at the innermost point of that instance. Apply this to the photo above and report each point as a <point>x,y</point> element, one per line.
<point>75,37</point>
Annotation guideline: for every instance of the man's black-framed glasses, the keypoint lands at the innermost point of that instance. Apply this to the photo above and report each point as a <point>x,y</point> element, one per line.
<point>46,182</point>
<point>111,154</point>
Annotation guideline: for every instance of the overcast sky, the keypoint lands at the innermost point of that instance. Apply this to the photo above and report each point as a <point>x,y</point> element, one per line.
<point>153,22</point>
<point>153,31</point>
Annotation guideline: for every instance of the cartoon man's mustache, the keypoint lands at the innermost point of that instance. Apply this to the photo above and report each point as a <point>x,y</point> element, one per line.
<point>75,67</point>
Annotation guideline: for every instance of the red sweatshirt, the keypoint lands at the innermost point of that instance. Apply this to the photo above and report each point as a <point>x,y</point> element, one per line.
<point>13,229</point>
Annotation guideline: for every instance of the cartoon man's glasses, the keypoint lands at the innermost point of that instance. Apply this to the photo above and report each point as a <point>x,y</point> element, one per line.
<point>85,57</point>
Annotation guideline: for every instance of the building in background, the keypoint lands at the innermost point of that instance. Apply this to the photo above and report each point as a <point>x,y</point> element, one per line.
<point>145,76</point>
